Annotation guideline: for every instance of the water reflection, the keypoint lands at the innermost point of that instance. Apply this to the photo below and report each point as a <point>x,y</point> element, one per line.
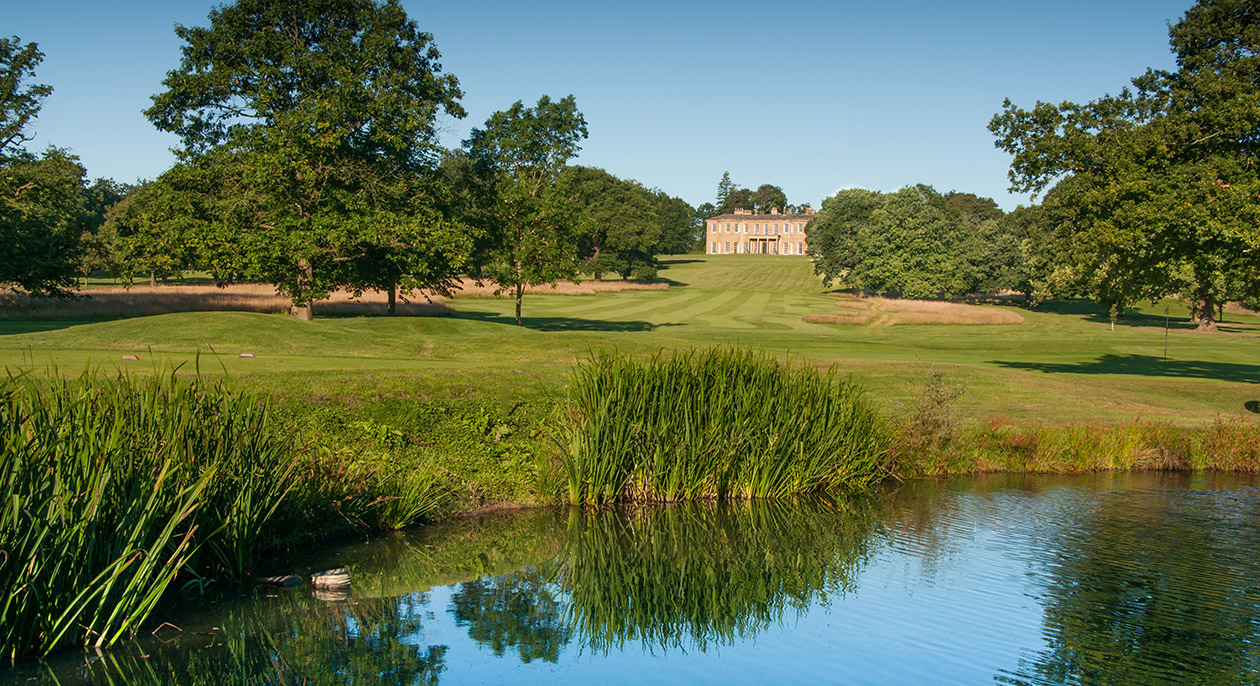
<point>1113,579</point>
<point>366,642</point>
<point>519,610</point>
<point>1143,588</point>
<point>691,576</point>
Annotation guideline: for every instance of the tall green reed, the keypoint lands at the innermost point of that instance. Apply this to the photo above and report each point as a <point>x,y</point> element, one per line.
<point>111,487</point>
<point>714,423</point>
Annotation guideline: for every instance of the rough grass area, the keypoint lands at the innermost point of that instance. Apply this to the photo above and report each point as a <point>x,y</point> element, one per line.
<point>139,301</point>
<point>888,311</point>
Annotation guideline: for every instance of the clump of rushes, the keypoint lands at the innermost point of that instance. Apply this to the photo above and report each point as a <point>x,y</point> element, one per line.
<point>112,487</point>
<point>715,423</point>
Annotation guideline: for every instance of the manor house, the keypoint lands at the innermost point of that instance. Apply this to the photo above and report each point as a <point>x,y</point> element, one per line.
<point>762,234</point>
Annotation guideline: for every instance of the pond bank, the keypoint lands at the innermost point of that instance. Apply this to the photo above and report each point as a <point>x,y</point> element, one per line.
<point>387,453</point>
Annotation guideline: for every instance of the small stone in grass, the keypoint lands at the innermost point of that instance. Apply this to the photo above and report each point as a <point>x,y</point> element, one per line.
<point>249,355</point>
<point>130,358</point>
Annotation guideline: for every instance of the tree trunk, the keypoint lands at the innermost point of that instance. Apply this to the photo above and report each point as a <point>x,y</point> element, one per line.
<point>393,297</point>
<point>152,279</point>
<point>1205,311</point>
<point>302,306</point>
<point>520,292</point>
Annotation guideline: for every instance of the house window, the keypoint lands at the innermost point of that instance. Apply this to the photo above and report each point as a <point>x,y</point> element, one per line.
<point>727,247</point>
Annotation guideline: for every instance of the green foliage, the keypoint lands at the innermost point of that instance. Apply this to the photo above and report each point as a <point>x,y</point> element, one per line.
<point>623,226</point>
<point>1153,190</point>
<point>731,197</point>
<point>533,230</point>
<point>917,243</point>
<point>149,231</point>
<point>308,131</point>
<point>110,488</point>
<point>19,101</point>
<point>714,423</point>
<point>43,214</point>
<point>43,207</point>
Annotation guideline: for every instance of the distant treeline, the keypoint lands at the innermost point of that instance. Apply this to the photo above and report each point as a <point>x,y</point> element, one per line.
<point>918,243</point>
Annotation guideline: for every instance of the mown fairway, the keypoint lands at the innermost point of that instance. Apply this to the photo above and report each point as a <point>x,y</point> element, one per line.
<point>1062,363</point>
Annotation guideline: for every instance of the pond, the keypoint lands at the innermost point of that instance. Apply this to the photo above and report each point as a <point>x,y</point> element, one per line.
<point>1105,578</point>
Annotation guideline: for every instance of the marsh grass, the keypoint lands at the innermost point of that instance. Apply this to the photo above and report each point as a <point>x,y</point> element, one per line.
<point>714,423</point>
<point>111,487</point>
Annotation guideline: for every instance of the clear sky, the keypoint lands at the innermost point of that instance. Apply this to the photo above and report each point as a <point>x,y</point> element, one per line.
<point>810,96</point>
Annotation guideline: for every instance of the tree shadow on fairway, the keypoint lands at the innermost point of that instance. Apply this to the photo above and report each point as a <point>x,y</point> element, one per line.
<point>1146,365</point>
<point>559,323</point>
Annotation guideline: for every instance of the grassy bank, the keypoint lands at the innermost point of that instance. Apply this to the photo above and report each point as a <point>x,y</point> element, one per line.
<point>114,488</point>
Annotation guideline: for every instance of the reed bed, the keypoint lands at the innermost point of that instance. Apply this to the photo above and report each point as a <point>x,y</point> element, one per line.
<point>714,423</point>
<point>111,487</point>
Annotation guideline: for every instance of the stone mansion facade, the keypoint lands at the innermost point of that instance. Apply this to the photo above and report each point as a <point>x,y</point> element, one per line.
<point>759,234</point>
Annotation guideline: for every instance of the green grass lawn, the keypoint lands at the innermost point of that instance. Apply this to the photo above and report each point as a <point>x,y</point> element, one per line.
<point>1064,363</point>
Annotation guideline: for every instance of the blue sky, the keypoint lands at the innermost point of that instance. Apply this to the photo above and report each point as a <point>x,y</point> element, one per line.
<point>809,96</point>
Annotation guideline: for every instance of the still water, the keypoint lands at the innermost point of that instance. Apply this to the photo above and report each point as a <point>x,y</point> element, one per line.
<point>1111,578</point>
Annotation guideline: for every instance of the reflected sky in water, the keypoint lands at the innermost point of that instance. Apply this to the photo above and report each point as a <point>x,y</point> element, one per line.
<point>1112,578</point>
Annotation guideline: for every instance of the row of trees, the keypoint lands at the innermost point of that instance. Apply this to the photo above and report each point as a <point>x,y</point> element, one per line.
<point>1151,192</point>
<point>731,197</point>
<point>919,243</point>
<point>309,159</point>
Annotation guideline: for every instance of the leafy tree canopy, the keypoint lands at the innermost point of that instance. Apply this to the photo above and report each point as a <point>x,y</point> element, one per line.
<point>534,230</point>
<point>43,206</point>
<point>916,243</point>
<point>1154,191</point>
<point>731,197</point>
<point>309,130</point>
<point>19,101</point>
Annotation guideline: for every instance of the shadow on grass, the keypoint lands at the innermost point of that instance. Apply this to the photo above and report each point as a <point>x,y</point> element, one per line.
<point>13,327</point>
<point>559,323</point>
<point>1146,365</point>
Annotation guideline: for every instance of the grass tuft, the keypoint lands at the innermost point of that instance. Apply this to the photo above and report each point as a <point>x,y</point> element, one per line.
<point>715,423</point>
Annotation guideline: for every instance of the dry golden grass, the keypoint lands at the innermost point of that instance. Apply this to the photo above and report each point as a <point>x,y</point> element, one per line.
<point>140,301</point>
<point>891,311</point>
<point>845,318</point>
<point>471,289</point>
<point>137,301</point>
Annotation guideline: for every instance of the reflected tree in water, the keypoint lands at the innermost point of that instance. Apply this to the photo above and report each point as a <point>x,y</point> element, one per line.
<point>304,642</point>
<point>517,610</point>
<point>1151,590</point>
